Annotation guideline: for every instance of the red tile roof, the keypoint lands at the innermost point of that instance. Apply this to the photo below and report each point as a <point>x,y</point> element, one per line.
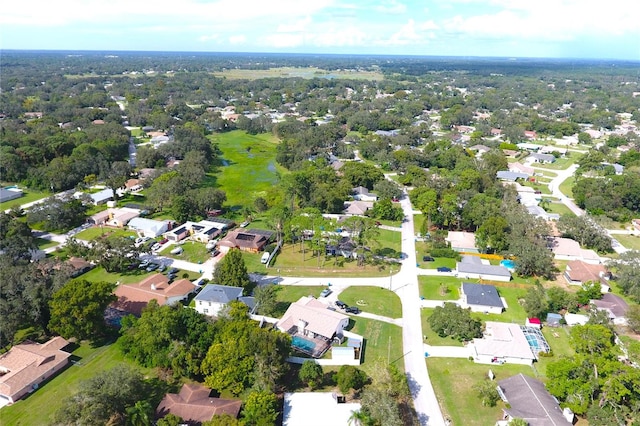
<point>134,297</point>
<point>194,405</point>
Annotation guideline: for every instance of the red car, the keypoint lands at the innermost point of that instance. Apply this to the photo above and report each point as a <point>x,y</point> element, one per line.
<point>163,241</point>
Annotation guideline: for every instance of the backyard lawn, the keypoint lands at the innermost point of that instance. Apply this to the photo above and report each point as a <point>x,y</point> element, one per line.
<point>382,341</point>
<point>374,300</point>
<point>254,168</point>
<point>91,234</point>
<point>453,381</point>
<point>630,242</point>
<point>514,311</point>
<point>40,406</point>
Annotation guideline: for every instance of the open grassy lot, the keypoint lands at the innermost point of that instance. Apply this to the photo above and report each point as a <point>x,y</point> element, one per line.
<point>559,342</point>
<point>248,167</point>
<point>40,407</point>
<point>453,381</point>
<point>303,72</point>
<point>91,234</point>
<point>388,244</point>
<point>631,242</point>
<point>566,187</point>
<point>100,274</point>
<point>374,300</point>
<point>291,261</point>
<point>193,251</point>
<point>29,196</point>
<point>383,341</point>
<point>439,288</point>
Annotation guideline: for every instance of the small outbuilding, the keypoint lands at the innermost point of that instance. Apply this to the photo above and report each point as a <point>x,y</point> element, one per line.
<point>553,320</point>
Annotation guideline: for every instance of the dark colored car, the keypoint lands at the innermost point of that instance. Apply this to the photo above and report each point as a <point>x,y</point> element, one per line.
<point>161,268</point>
<point>173,271</point>
<point>152,267</point>
<point>427,259</point>
<point>340,304</point>
<point>352,310</point>
<point>444,269</point>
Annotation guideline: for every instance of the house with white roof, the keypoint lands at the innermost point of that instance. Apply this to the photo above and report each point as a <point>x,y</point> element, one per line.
<point>461,241</point>
<point>102,196</point>
<point>317,409</point>
<point>502,342</point>
<point>472,267</point>
<point>148,227</point>
<point>568,249</point>
<point>361,193</point>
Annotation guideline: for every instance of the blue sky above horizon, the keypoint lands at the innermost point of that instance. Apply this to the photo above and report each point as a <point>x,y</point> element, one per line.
<point>504,28</point>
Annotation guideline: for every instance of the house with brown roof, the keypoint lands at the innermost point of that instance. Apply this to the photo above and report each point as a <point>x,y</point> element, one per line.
<point>357,208</point>
<point>578,272</point>
<point>251,240</point>
<point>195,405</point>
<point>133,298</point>
<point>28,364</point>
<point>308,319</point>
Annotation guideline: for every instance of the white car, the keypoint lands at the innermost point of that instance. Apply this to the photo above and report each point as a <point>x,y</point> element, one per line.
<point>177,250</point>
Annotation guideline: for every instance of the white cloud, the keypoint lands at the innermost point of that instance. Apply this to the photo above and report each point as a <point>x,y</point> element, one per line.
<point>284,40</point>
<point>391,7</point>
<point>237,39</point>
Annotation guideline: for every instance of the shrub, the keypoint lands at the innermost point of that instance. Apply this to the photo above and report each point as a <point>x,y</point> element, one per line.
<point>444,252</point>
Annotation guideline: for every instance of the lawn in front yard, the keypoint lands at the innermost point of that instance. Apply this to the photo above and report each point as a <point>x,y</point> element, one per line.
<point>558,207</point>
<point>100,274</point>
<point>514,311</point>
<point>439,288</point>
<point>630,242</point>
<point>95,232</point>
<point>41,406</point>
<point>566,187</point>
<point>193,251</point>
<point>287,294</point>
<point>453,380</point>
<point>43,243</point>
<point>432,337</point>
<point>388,244</point>
<point>374,300</point>
<point>382,341</point>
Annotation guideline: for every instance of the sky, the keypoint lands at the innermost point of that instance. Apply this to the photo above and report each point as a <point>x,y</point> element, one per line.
<point>598,29</point>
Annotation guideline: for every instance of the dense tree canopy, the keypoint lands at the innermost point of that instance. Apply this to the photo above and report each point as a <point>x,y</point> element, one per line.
<point>453,321</point>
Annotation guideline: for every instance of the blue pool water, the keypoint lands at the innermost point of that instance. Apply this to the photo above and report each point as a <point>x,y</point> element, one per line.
<point>509,264</point>
<point>302,344</point>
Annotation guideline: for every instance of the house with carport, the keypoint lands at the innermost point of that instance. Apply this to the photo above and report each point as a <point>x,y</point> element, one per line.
<point>568,249</point>
<point>481,298</point>
<point>578,272</point>
<point>27,365</point>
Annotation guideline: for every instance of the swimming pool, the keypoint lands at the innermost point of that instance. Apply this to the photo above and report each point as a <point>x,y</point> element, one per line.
<point>303,344</point>
<point>509,264</point>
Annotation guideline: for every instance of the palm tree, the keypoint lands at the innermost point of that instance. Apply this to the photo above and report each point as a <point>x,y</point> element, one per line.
<point>358,418</point>
<point>139,414</point>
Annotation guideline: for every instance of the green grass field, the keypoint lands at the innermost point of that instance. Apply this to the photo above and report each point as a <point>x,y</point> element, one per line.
<point>432,337</point>
<point>29,196</point>
<point>45,244</point>
<point>91,234</point>
<point>383,341</point>
<point>561,209</point>
<point>193,251</point>
<point>453,381</point>
<point>41,406</point>
<point>374,300</point>
<point>100,274</point>
<point>629,241</point>
<point>439,288</point>
<point>287,294</point>
<point>566,187</point>
<point>248,167</point>
<point>388,244</point>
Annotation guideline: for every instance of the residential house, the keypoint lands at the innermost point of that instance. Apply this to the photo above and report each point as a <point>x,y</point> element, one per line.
<point>27,365</point>
<point>531,147</point>
<point>388,133</point>
<point>636,224</point>
<point>503,342</point>
<point>541,158</point>
<point>202,231</point>
<point>481,298</point>
<point>148,227</point>
<point>460,241</point>
<point>526,398</point>
<point>530,134</point>
<point>551,149</point>
<point>78,266</point>
<point>345,247</point>
<point>568,249</point>
<point>10,194</point>
<point>357,208</point>
<point>479,150</point>
<point>309,320</point>
<point>521,168</point>
<point>118,217</point>
<point>618,168</point>
<point>317,409</point>
<point>578,272</point>
<point>132,298</point>
<point>132,185</point>
<point>472,267</point>
<point>213,298</point>
<point>575,319</point>
<point>509,176</point>
<point>541,213</point>
<point>251,240</point>
<point>361,193</point>
<point>194,405</point>
<point>102,196</point>
<point>615,306</point>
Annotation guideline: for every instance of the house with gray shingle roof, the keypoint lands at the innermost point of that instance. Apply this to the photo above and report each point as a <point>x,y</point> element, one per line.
<point>213,298</point>
<point>481,298</point>
<point>472,267</point>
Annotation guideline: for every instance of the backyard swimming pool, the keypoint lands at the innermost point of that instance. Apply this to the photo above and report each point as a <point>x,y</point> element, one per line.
<point>303,344</point>
<point>509,264</point>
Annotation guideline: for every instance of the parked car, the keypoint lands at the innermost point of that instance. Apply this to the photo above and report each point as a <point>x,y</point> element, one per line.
<point>172,277</point>
<point>444,269</point>
<point>177,250</point>
<point>152,267</point>
<point>215,252</point>
<point>162,267</point>
<point>340,304</point>
<point>163,241</point>
<point>325,292</point>
<point>143,264</point>
<point>156,247</point>
<point>244,224</point>
<point>352,310</point>
<point>427,259</point>
<point>202,281</point>
<point>173,271</point>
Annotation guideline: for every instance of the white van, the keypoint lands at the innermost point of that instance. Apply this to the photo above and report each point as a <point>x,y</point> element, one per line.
<point>265,257</point>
